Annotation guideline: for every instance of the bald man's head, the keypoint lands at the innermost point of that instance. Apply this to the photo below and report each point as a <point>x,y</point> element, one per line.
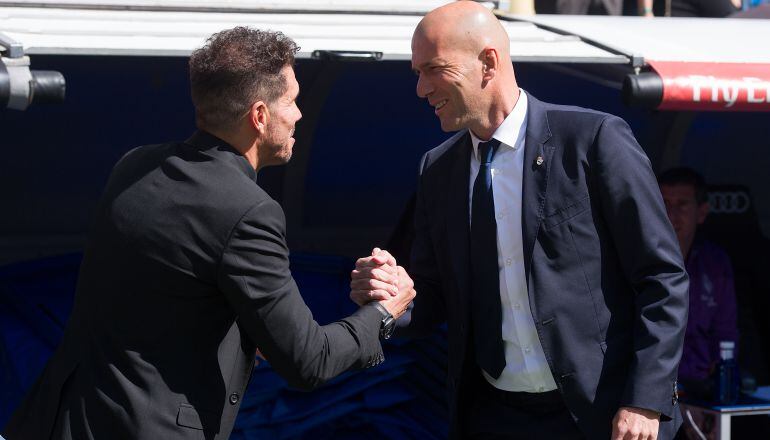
<point>461,54</point>
<point>463,24</point>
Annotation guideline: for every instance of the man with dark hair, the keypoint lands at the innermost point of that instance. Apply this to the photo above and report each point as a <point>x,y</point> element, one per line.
<point>224,83</point>
<point>186,273</point>
<point>712,316</point>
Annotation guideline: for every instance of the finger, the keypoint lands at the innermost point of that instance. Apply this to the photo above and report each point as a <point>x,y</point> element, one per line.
<point>617,432</point>
<point>405,281</point>
<point>381,274</point>
<point>370,284</point>
<point>632,433</point>
<point>367,296</point>
<point>363,297</point>
<point>384,256</point>
<point>360,297</point>
<point>363,262</point>
<point>366,262</point>
<point>379,261</point>
<point>376,273</point>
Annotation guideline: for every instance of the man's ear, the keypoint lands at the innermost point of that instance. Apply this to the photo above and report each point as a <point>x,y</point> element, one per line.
<point>259,116</point>
<point>490,62</point>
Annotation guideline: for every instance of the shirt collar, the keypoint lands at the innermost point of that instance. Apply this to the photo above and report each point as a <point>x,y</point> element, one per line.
<point>215,146</point>
<point>511,129</point>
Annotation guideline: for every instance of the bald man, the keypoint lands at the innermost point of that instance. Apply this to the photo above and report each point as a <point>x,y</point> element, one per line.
<point>542,241</point>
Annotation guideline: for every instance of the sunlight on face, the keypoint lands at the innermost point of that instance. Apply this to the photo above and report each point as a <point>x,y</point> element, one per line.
<point>284,115</point>
<point>450,79</point>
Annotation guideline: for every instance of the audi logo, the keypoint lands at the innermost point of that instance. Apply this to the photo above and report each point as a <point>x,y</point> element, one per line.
<point>729,202</point>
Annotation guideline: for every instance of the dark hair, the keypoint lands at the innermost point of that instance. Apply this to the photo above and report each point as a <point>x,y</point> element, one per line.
<point>236,68</point>
<point>685,176</point>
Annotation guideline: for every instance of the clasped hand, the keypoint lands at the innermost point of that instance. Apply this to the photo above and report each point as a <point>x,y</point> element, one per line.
<point>379,278</point>
<point>635,424</point>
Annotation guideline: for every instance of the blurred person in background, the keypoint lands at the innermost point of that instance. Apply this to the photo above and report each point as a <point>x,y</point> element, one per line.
<point>688,8</point>
<point>712,313</point>
<point>579,7</point>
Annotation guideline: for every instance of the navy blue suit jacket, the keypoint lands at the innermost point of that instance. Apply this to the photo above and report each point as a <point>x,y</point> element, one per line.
<point>605,277</point>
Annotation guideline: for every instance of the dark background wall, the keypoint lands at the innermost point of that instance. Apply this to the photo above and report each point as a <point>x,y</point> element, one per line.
<point>358,148</point>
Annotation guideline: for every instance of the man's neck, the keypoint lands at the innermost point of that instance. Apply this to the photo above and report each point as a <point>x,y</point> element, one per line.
<point>242,143</point>
<point>498,111</point>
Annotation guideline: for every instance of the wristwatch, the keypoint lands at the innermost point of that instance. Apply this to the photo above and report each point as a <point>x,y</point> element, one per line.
<point>388,323</point>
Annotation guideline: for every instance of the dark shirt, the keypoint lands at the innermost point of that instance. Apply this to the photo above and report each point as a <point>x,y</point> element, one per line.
<point>712,316</point>
<point>702,8</point>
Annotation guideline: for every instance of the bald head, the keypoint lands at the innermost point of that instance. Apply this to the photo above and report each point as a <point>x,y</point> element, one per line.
<point>461,55</point>
<point>466,25</point>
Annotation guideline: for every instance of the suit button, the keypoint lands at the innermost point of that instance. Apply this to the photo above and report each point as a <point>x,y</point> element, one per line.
<point>234,398</point>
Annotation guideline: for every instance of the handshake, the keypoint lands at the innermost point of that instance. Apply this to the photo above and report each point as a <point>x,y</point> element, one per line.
<point>379,278</point>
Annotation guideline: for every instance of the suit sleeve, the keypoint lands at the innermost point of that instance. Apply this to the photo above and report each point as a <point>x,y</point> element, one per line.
<point>427,310</point>
<point>634,213</point>
<point>255,278</point>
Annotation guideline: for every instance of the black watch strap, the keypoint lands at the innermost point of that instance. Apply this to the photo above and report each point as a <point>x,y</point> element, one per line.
<point>388,322</point>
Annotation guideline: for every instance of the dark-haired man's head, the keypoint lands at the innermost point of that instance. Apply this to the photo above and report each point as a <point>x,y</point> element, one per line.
<point>686,199</point>
<point>244,91</point>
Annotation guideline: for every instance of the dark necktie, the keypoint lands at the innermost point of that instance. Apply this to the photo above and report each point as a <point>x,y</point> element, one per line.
<point>485,275</point>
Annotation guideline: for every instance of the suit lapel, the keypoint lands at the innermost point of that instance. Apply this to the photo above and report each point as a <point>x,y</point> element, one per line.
<point>537,163</point>
<point>457,215</point>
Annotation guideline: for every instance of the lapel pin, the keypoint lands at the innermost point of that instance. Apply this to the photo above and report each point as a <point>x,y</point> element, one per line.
<point>539,160</point>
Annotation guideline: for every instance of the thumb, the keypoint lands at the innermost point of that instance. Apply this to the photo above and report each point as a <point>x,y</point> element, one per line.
<point>383,257</point>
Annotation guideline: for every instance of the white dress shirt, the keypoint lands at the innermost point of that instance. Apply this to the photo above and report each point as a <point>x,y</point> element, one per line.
<point>526,368</point>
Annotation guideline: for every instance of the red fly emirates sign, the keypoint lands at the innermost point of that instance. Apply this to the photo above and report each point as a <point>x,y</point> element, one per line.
<point>714,86</point>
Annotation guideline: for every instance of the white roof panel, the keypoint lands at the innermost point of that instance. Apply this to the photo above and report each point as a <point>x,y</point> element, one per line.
<point>391,6</point>
<point>48,30</point>
<point>720,40</point>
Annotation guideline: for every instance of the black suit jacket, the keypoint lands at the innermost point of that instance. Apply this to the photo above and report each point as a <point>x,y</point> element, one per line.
<point>606,282</point>
<point>185,275</point>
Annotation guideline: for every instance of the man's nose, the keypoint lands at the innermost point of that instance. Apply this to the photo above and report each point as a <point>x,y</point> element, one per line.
<point>423,87</point>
